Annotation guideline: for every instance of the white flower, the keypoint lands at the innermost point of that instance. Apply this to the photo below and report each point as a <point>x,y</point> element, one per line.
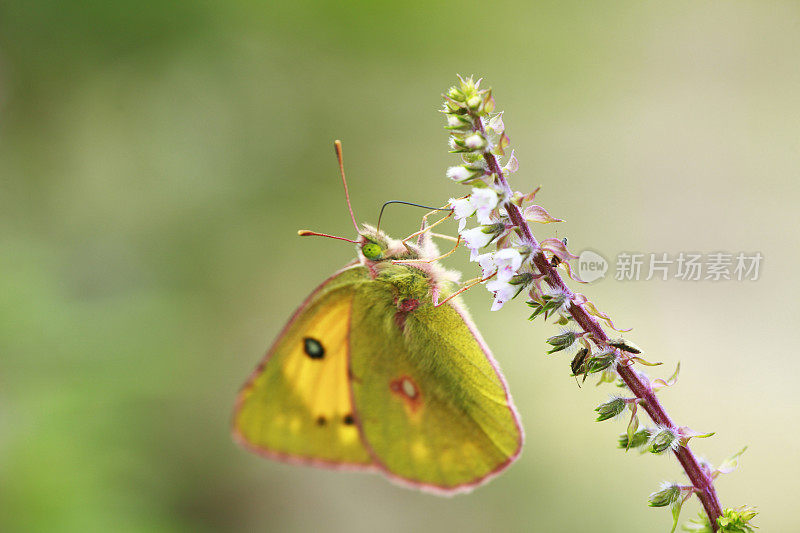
<point>453,121</point>
<point>484,201</point>
<point>462,209</point>
<point>475,239</point>
<point>503,292</point>
<point>475,142</point>
<point>486,261</point>
<point>458,173</point>
<point>508,261</point>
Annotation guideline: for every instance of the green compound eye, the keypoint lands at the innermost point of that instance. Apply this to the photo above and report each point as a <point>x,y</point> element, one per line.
<point>372,251</point>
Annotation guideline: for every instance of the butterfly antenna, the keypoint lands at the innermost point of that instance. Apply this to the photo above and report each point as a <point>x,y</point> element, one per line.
<point>338,146</point>
<point>407,203</point>
<point>309,233</point>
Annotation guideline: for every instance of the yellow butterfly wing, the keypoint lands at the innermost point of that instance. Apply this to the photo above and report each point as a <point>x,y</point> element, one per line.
<point>296,406</point>
<point>432,405</point>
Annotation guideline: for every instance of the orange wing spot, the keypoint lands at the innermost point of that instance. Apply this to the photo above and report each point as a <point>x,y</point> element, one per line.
<point>408,390</point>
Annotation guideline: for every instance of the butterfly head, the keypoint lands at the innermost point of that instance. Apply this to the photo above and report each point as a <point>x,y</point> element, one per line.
<point>375,246</point>
<point>372,250</point>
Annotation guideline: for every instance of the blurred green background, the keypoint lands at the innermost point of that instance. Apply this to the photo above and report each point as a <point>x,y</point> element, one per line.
<point>156,159</point>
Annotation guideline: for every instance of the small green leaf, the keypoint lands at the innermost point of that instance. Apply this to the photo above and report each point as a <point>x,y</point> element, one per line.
<point>633,425</point>
<point>676,513</point>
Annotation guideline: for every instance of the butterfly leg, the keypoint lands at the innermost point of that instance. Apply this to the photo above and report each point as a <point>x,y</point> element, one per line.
<point>425,227</point>
<point>443,236</point>
<point>423,237</point>
<point>469,285</point>
<point>457,241</point>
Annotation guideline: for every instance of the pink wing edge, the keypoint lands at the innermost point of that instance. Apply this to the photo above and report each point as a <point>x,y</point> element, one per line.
<point>281,456</point>
<point>464,488</point>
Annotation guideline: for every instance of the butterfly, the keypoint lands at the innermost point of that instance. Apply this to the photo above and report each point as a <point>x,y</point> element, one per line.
<point>380,369</point>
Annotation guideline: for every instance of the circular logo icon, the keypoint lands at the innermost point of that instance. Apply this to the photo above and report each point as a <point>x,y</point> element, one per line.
<point>591,266</point>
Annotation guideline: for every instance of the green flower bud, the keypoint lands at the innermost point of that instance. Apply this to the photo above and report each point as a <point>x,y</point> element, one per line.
<point>453,107</point>
<point>668,495</point>
<point>474,102</point>
<point>737,520</point>
<point>538,308</point>
<point>475,142</point>
<point>548,305</point>
<point>521,279</point>
<point>600,362</point>
<point>663,441</point>
<point>610,409</point>
<point>561,342</point>
<point>473,159</point>
<point>459,122</point>
<point>493,229</point>
<point>455,94</point>
<point>639,438</point>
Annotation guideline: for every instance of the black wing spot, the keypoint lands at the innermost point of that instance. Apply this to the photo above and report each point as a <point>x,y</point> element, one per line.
<point>313,348</point>
<point>321,421</point>
<point>348,419</point>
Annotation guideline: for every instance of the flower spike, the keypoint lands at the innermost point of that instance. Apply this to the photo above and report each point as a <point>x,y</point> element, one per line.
<point>513,260</point>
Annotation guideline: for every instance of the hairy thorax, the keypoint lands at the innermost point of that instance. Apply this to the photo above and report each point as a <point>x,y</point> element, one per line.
<point>409,267</point>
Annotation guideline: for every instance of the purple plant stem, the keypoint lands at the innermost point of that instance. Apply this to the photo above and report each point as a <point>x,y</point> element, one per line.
<point>638,384</point>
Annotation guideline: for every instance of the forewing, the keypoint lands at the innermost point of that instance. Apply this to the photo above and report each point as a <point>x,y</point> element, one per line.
<point>433,407</point>
<point>297,406</point>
